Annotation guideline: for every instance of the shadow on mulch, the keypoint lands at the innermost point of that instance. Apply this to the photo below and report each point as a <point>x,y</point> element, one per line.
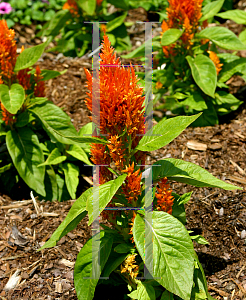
<point>212,264</point>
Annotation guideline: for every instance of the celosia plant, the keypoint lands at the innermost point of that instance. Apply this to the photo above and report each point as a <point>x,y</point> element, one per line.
<point>73,26</point>
<point>192,74</point>
<point>122,193</point>
<point>32,128</point>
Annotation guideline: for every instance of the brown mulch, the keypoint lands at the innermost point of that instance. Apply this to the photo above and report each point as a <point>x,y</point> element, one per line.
<point>220,216</point>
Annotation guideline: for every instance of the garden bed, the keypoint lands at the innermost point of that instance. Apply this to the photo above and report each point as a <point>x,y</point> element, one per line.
<point>220,216</point>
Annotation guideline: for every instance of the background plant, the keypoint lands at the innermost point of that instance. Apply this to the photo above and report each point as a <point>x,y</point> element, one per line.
<point>191,73</point>
<point>75,35</point>
<point>32,129</point>
<point>176,268</point>
<point>30,12</point>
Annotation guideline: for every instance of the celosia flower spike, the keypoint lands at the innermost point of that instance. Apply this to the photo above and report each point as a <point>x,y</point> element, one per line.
<point>7,52</point>
<point>129,266</point>
<point>213,56</point>
<point>164,196</point>
<point>39,89</point>
<point>72,6</point>
<point>182,14</point>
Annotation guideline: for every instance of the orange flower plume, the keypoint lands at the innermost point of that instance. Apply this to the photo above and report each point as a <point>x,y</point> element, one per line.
<point>182,14</point>
<point>121,122</point>
<point>164,196</point>
<point>213,56</point>
<point>121,110</point>
<point>7,117</point>
<point>39,89</point>
<point>72,6</point>
<point>7,52</point>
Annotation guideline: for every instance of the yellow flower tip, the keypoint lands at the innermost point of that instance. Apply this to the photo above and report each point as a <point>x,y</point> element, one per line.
<point>215,59</point>
<point>129,266</point>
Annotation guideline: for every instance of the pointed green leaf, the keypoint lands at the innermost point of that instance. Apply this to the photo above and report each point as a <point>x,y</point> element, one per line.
<point>116,22</point>
<point>84,282</point>
<point>59,125</point>
<point>238,16</point>
<point>113,263</point>
<point>171,36</point>
<point>24,149</point>
<point>204,73</point>
<point>164,132</point>
<point>211,9</point>
<point>12,98</point>
<point>187,172</point>
<point>71,178</point>
<point>123,248</point>
<point>88,6</point>
<point>56,23</point>
<point>76,213</point>
<point>50,184</point>
<point>49,74</point>
<point>232,67</point>
<point>242,36</point>
<point>222,37</point>
<point>77,152</point>
<point>29,56</point>
<point>173,255</point>
<point>106,192</point>
<point>144,291</point>
<point>54,158</point>
<point>167,296</point>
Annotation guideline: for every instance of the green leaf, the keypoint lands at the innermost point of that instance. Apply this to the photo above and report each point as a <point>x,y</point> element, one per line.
<point>209,116</point>
<point>167,296</point>
<point>76,213</point>
<point>77,152</point>
<point>178,210</point>
<point>50,184</point>
<point>173,255</point>
<point>195,102</point>
<point>238,16</point>
<point>225,102</point>
<point>123,248</point>
<point>88,6</point>
<point>106,192</point>
<point>24,149</point>
<point>120,4</point>
<point>140,51</point>
<point>199,239</point>
<point>84,282</point>
<point>187,172</point>
<point>59,125</point>
<point>200,280</point>
<point>54,158</point>
<point>164,132</point>
<point>113,262</point>
<point>232,67</point>
<point>56,23</point>
<point>222,37</point>
<point>144,291</point>
<point>204,73</point>
<point>71,178</point>
<point>29,56</point>
<point>242,36</point>
<point>171,36</point>
<point>49,74</point>
<point>5,168</point>
<point>211,9</point>
<point>12,98</point>
<point>111,25</point>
